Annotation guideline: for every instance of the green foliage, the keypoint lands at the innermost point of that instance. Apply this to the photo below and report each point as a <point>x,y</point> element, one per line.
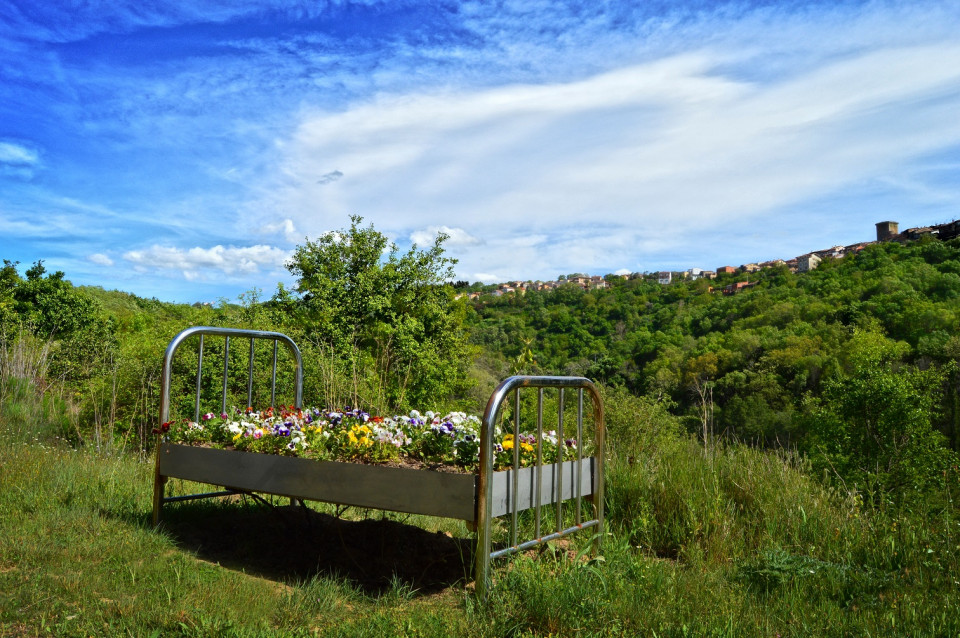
<point>752,366</point>
<point>383,314</point>
<point>49,304</point>
<point>872,424</point>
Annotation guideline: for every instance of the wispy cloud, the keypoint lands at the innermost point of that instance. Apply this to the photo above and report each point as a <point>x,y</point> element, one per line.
<point>455,237</point>
<point>18,161</point>
<point>329,178</point>
<point>17,155</point>
<point>684,139</point>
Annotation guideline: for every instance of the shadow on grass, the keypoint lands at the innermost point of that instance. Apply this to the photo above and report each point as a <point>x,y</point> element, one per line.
<point>293,543</point>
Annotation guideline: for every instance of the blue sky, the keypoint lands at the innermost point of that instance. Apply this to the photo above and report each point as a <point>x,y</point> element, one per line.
<point>182,150</point>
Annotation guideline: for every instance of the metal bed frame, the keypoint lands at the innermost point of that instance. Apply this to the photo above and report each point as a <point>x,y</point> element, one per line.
<point>476,498</point>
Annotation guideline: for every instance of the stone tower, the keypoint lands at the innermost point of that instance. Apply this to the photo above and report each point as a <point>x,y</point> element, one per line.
<point>887,230</point>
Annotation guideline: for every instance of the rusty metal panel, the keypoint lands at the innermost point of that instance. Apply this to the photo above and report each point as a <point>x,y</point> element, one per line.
<point>390,488</point>
<point>550,482</point>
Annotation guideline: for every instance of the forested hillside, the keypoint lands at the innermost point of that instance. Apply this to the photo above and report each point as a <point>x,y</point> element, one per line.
<point>852,362</point>
<point>855,363</point>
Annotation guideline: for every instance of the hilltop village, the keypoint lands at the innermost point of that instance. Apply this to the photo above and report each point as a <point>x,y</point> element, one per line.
<point>886,231</point>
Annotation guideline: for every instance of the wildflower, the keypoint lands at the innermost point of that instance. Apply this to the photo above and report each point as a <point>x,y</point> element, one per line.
<point>165,427</point>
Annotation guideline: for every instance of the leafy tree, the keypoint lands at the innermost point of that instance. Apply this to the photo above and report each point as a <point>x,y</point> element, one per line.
<point>389,316</point>
<point>9,278</point>
<point>872,426</point>
<point>50,304</point>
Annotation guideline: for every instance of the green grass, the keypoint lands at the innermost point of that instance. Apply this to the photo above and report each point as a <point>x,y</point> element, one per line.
<point>737,543</point>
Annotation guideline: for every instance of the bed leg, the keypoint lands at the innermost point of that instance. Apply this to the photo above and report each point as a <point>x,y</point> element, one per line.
<point>158,484</point>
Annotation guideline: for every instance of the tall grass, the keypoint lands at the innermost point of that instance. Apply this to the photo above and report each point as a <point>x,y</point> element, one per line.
<point>31,405</point>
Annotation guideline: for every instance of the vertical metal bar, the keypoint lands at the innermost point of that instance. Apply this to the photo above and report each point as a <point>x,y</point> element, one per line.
<point>196,401</point>
<point>484,512</point>
<point>516,467</point>
<point>579,444</point>
<point>250,376</point>
<point>273,377</point>
<point>539,471</point>
<point>226,368</point>
<point>599,453</point>
<point>559,463</point>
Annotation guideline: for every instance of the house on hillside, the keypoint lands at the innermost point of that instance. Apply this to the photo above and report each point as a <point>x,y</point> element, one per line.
<point>726,270</point>
<point>806,263</point>
<point>834,252</point>
<point>731,289</point>
<point>949,230</point>
<point>664,277</point>
<point>597,282</point>
<point>912,234</point>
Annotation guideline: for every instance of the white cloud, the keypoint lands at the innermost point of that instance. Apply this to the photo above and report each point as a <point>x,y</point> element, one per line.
<point>100,259</point>
<point>455,236</point>
<point>487,278</point>
<point>286,227</point>
<point>17,154</point>
<point>18,161</point>
<point>205,263</point>
<point>681,145</point>
<point>623,271</point>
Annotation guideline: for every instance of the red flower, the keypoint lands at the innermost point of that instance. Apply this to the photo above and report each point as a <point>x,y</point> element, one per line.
<point>163,428</point>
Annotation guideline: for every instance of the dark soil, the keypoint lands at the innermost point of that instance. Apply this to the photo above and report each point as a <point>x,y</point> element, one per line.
<point>292,543</point>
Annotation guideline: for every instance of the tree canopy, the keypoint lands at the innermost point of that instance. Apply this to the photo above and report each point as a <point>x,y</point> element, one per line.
<point>381,311</point>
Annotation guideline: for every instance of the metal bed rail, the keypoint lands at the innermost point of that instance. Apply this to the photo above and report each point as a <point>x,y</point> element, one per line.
<point>165,385</point>
<point>485,514</point>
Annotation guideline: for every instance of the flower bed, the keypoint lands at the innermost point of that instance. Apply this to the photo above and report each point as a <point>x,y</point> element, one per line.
<point>347,453</point>
<point>426,440</point>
